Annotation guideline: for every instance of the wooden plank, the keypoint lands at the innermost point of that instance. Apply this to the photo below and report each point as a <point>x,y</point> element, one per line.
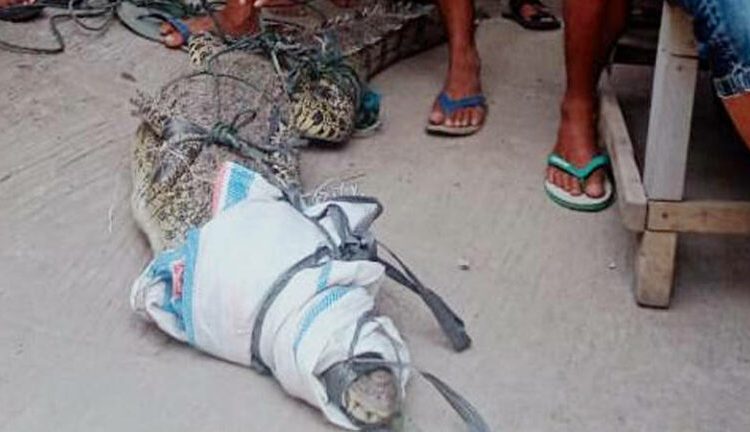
<point>708,217</point>
<point>676,33</point>
<point>672,100</point>
<point>655,265</point>
<point>614,133</point>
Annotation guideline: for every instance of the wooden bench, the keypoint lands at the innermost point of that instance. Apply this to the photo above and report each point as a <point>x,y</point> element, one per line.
<point>651,200</point>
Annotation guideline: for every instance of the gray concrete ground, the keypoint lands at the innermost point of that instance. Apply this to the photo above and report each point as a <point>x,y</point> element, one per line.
<point>559,343</point>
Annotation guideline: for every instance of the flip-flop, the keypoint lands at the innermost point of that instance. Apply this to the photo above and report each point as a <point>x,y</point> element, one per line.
<point>146,22</point>
<point>580,202</point>
<point>540,21</point>
<point>449,106</point>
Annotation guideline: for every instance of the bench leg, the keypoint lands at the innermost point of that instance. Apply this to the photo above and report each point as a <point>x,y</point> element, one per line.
<point>655,265</point>
<point>675,75</point>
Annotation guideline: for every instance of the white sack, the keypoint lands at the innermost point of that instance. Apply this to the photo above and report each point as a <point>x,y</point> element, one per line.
<point>208,292</point>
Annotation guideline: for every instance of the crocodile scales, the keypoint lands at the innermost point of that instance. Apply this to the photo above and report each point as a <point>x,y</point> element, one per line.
<point>175,155</point>
<point>257,107</point>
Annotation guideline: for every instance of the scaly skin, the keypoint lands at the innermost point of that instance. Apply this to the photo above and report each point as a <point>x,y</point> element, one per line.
<point>372,398</point>
<point>172,176</point>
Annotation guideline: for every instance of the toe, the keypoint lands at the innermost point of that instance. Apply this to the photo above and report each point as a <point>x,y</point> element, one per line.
<point>575,186</point>
<point>436,116</point>
<point>571,185</point>
<point>477,116</point>
<point>565,182</point>
<point>173,40</point>
<point>557,178</point>
<point>451,120</point>
<point>457,117</point>
<point>463,118</point>
<point>550,175</point>
<point>595,185</point>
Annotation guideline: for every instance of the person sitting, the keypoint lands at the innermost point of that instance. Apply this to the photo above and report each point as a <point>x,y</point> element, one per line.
<point>576,176</point>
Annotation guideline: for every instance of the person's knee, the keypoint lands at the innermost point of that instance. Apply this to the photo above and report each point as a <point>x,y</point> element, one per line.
<point>722,28</point>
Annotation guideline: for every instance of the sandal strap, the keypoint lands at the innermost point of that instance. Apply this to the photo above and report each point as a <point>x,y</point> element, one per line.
<point>449,106</point>
<point>597,162</point>
<point>177,24</point>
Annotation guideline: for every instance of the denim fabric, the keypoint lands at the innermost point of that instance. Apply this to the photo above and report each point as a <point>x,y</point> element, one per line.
<point>722,27</point>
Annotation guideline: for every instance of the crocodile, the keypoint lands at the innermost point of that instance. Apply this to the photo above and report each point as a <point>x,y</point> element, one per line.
<point>257,102</point>
<point>243,94</point>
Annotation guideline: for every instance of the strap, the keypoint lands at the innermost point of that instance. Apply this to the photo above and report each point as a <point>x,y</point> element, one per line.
<point>219,134</point>
<point>449,106</point>
<point>312,260</point>
<point>177,24</point>
<point>340,376</point>
<point>463,407</point>
<point>583,173</point>
<point>452,325</point>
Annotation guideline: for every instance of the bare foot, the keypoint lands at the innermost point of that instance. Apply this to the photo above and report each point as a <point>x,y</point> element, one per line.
<point>463,81</point>
<point>576,143</point>
<point>238,18</point>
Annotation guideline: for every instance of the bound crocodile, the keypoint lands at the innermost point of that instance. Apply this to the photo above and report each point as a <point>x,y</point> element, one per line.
<point>255,102</point>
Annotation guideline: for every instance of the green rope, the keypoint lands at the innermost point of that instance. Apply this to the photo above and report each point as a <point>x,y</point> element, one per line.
<point>73,11</point>
<point>294,62</point>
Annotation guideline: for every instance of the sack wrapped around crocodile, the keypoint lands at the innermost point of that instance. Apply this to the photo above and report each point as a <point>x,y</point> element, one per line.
<point>252,105</point>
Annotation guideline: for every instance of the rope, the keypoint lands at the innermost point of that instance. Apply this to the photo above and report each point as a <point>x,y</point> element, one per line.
<point>74,12</point>
<point>293,62</point>
<point>468,413</point>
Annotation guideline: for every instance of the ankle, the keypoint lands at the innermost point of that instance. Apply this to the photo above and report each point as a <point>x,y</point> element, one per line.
<point>578,108</point>
<point>464,55</point>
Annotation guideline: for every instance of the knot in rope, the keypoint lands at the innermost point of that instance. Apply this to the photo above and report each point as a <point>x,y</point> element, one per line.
<point>224,134</point>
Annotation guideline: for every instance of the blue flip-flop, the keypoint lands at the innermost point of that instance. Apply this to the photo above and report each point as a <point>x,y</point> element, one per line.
<point>176,24</point>
<point>580,202</point>
<point>449,106</point>
<point>146,22</point>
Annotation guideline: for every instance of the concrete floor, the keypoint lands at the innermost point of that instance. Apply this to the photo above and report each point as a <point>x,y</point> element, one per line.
<point>559,343</point>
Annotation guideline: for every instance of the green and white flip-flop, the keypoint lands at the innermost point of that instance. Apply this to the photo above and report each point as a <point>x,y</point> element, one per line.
<point>581,202</point>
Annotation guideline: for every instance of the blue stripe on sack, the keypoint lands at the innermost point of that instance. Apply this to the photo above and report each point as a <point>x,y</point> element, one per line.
<point>161,269</point>
<point>335,294</point>
<point>190,250</point>
<point>325,273</point>
<point>240,180</point>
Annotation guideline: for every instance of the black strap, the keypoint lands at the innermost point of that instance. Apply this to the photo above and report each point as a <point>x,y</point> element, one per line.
<point>463,407</point>
<point>452,325</point>
<point>312,260</point>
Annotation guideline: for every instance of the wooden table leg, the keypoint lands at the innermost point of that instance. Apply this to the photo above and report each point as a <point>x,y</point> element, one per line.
<point>655,265</point>
<point>665,163</point>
